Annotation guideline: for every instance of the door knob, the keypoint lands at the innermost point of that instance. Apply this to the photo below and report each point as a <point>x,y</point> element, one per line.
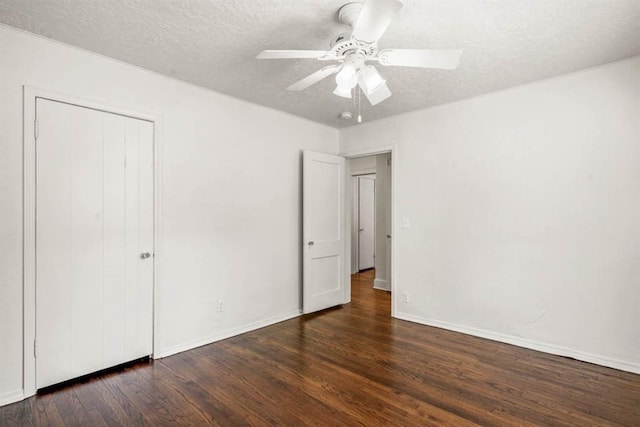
<point>310,242</point>
<point>361,230</point>
<point>145,255</point>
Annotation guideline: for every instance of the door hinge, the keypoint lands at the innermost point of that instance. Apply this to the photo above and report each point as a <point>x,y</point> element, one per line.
<point>36,128</point>
<point>35,348</point>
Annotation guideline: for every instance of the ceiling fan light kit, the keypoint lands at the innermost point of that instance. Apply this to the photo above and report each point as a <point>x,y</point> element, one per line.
<point>368,21</point>
<point>342,92</point>
<point>370,80</point>
<point>347,77</point>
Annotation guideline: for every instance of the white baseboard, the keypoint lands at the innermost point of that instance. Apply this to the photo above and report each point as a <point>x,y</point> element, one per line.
<point>18,395</point>
<point>526,343</point>
<point>381,285</point>
<point>11,397</point>
<point>225,334</point>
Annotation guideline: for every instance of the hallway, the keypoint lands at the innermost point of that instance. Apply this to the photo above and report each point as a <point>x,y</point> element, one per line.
<point>366,299</point>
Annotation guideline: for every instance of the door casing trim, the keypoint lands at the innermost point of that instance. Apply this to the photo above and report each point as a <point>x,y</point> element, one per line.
<point>30,95</point>
<point>372,151</point>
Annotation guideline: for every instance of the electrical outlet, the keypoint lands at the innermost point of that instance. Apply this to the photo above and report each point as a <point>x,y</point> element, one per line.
<point>406,222</point>
<point>220,305</point>
<point>405,298</point>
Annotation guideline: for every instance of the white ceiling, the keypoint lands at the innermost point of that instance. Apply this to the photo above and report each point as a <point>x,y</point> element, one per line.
<point>213,43</point>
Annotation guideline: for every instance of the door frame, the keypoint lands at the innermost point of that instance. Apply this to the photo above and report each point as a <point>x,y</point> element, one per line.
<point>30,95</point>
<point>393,149</point>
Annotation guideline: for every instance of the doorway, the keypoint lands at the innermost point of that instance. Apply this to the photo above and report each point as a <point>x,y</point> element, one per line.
<point>327,226</point>
<point>371,174</point>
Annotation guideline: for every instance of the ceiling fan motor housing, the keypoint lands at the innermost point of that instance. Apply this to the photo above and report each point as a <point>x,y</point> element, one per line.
<point>344,45</point>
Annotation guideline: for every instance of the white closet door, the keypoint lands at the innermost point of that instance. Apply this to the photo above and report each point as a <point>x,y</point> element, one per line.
<point>94,219</point>
<point>366,221</point>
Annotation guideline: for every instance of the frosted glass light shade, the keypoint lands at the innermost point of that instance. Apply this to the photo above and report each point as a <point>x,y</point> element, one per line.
<point>371,80</point>
<point>346,78</point>
<point>340,91</point>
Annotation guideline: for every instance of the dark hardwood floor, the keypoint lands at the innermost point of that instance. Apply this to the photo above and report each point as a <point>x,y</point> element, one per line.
<point>348,366</point>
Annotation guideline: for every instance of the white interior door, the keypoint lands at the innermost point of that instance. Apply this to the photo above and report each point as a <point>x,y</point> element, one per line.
<point>354,223</point>
<point>323,231</point>
<point>94,220</point>
<point>366,221</point>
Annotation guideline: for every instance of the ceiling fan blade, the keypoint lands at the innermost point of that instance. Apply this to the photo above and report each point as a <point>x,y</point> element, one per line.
<point>422,58</point>
<point>291,54</point>
<point>378,96</point>
<point>374,19</point>
<point>314,78</point>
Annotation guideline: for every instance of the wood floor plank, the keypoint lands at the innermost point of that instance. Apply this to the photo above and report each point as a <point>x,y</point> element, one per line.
<point>353,365</point>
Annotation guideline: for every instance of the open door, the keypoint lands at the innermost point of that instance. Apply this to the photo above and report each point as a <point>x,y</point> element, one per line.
<point>323,231</point>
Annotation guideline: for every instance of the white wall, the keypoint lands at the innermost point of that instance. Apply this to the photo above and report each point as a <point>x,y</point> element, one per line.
<point>525,213</point>
<point>231,195</point>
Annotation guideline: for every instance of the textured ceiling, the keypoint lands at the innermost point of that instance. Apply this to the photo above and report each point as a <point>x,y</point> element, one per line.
<point>213,43</point>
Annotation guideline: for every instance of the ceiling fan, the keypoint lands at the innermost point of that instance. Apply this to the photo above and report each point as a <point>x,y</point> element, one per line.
<point>369,21</point>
